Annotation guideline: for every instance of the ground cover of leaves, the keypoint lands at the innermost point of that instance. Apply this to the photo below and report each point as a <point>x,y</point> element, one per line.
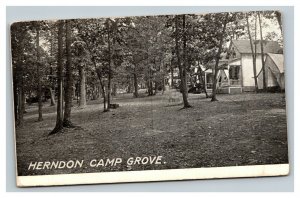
<point>241,129</point>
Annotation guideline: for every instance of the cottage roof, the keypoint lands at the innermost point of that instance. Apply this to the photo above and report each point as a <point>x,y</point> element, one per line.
<point>278,60</point>
<point>243,46</point>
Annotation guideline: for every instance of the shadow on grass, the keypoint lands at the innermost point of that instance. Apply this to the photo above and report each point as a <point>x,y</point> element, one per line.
<point>183,108</point>
<point>174,105</point>
<point>200,98</point>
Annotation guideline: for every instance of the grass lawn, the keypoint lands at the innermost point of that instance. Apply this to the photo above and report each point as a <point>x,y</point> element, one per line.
<point>242,129</point>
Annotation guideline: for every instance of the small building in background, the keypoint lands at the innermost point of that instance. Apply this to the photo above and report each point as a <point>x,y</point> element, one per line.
<point>240,64</point>
<point>235,71</point>
<point>275,79</point>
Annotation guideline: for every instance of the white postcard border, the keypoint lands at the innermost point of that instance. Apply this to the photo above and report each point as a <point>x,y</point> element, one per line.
<point>154,175</point>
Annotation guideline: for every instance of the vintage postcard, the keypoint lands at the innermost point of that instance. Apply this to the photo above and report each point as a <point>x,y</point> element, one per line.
<point>149,98</point>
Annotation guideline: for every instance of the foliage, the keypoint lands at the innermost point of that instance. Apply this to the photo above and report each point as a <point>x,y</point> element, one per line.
<point>129,52</point>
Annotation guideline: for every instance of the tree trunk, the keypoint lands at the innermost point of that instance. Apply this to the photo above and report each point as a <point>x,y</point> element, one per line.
<point>39,91</point>
<point>99,91</point>
<point>52,96</point>
<point>102,89</point>
<point>109,90</point>
<point>23,101</point>
<point>135,94</point>
<point>52,81</point>
<point>155,88</point>
<point>114,90</point>
<point>182,67</point>
<point>19,89</point>
<point>74,89</point>
<point>20,106</point>
<point>262,54</point>
<point>185,65</point>
<point>216,69</point>
<point>82,99</point>
<point>164,85</point>
<point>203,82</point>
<point>69,79</point>
<point>255,49</point>
<point>109,69</point>
<point>202,79</point>
<point>177,50</point>
<point>150,84</point>
<point>95,92</point>
<point>100,79</point>
<point>59,115</point>
<point>129,88</point>
<point>172,77</point>
<point>150,88</point>
<point>104,97</point>
<point>252,52</point>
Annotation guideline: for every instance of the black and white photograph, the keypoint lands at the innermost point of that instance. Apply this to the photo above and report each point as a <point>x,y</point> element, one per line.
<point>149,98</point>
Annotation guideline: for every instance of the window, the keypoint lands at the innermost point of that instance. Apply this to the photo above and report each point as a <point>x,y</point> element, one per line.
<point>234,72</point>
<point>233,54</point>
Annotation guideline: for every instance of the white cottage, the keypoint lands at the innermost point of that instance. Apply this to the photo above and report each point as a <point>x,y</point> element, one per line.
<point>240,75</point>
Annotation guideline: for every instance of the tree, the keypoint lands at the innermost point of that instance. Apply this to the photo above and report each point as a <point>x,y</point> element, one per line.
<point>82,74</point>
<point>134,53</point>
<point>52,42</point>
<point>91,32</point>
<point>262,53</point>
<point>217,57</point>
<point>118,50</point>
<point>196,46</point>
<point>110,30</point>
<point>59,116</point>
<point>69,78</point>
<point>146,53</point>
<point>81,59</point>
<point>253,51</point>
<point>38,65</point>
<point>274,14</point>
<point>24,66</point>
<point>200,74</point>
<point>182,67</point>
<point>19,34</point>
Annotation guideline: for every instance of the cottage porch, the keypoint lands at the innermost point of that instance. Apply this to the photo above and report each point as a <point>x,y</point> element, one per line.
<point>229,80</point>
